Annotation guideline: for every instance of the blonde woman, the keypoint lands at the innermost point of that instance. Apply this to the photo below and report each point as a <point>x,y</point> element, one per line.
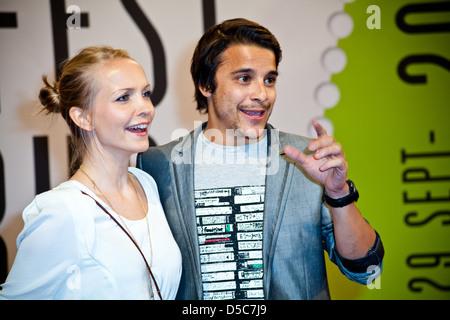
<point>103,233</point>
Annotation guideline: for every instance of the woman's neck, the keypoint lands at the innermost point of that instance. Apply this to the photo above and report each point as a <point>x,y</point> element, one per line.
<point>110,176</point>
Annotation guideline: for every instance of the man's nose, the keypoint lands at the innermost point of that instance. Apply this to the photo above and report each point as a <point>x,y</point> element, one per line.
<point>259,92</point>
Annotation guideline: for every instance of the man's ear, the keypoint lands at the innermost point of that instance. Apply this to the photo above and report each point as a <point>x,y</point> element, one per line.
<point>80,118</point>
<point>204,91</point>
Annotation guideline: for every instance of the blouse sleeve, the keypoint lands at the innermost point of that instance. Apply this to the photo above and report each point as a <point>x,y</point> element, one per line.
<point>45,264</point>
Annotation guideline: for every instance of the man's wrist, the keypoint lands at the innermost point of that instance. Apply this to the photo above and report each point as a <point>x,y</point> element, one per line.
<point>347,199</point>
<point>338,194</point>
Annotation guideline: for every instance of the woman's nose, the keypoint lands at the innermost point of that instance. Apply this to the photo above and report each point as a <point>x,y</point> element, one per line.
<point>146,108</point>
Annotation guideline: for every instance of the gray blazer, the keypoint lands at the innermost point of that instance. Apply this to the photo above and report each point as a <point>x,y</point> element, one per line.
<point>297,224</point>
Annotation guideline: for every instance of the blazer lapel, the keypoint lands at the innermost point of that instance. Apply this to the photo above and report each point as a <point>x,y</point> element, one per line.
<point>277,180</point>
<point>183,173</point>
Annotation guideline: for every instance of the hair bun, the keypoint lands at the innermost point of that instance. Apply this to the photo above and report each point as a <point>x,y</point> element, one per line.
<point>49,97</point>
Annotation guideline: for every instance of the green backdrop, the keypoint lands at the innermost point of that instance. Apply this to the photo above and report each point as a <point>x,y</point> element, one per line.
<point>393,122</point>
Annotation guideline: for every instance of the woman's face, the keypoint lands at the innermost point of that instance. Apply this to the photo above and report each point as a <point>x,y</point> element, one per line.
<point>122,109</point>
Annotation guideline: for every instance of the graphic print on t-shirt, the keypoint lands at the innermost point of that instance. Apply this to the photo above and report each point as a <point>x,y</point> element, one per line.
<point>230,233</point>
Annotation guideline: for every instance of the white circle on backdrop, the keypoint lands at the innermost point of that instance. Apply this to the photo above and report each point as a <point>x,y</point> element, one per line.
<point>334,60</point>
<point>340,24</point>
<point>328,95</point>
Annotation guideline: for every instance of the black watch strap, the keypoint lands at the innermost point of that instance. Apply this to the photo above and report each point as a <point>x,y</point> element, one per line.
<point>344,201</point>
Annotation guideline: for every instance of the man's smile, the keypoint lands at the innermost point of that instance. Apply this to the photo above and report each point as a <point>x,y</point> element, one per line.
<point>254,114</point>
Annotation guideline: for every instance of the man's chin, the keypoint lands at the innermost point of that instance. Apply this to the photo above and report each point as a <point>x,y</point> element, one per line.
<point>250,135</point>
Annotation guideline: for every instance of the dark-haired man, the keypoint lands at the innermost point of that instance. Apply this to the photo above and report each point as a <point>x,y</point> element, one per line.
<point>245,206</point>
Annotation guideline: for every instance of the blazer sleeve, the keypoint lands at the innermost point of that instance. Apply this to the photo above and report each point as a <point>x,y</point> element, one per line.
<point>362,270</point>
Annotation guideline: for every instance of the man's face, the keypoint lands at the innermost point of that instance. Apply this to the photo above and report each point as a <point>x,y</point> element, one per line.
<point>245,94</point>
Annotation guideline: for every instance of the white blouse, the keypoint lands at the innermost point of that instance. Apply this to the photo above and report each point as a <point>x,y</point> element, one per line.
<point>71,249</point>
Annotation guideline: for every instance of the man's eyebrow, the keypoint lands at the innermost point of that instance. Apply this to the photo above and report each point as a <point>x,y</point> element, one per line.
<point>243,70</point>
<point>249,70</point>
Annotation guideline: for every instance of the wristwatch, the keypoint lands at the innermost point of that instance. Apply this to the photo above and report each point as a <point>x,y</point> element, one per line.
<point>342,202</point>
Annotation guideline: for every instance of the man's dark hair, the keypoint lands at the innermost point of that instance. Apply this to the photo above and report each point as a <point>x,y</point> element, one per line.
<point>215,41</point>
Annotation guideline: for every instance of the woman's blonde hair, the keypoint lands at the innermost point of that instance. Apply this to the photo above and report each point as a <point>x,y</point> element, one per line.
<point>76,87</point>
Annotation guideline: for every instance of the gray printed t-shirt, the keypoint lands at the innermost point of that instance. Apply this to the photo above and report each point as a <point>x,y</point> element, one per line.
<point>229,203</point>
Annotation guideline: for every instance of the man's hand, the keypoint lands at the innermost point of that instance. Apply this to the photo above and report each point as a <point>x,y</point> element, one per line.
<point>327,165</point>
<point>354,236</point>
